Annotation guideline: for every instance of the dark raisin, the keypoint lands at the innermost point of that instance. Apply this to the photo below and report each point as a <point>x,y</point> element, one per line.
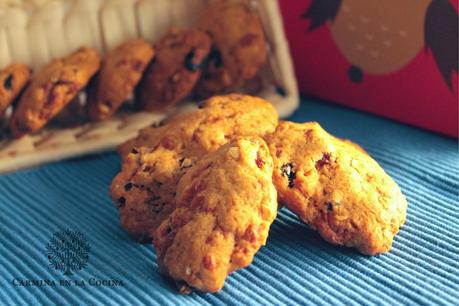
<point>189,62</point>
<point>128,186</point>
<point>325,160</point>
<point>134,151</point>
<point>215,57</point>
<point>329,206</point>
<point>121,202</point>
<point>8,83</point>
<point>281,91</point>
<point>201,104</point>
<point>289,172</point>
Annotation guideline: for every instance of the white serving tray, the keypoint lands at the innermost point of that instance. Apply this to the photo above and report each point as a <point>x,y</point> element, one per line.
<point>35,31</point>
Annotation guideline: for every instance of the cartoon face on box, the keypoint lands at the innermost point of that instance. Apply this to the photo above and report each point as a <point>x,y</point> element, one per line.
<point>396,58</point>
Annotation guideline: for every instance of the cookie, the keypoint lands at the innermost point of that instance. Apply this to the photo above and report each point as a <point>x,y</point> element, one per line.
<point>176,69</point>
<point>144,188</point>
<point>217,121</point>
<point>12,80</point>
<point>239,47</point>
<point>225,206</point>
<point>120,73</point>
<point>159,156</point>
<point>51,89</point>
<point>336,188</point>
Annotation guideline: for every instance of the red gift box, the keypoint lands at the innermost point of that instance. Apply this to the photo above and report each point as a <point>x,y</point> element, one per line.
<point>395,58</point>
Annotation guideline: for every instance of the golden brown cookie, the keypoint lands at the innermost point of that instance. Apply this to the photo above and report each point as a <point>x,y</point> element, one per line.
<point>336,187</point>
<point>175,70</point>
<point>217,121</point>
<point>51,89</point>
<point>121,71</point>
<point>225,205</point>
<point>155,161</point>
<point>144,188</point>
<point>239,47</point>
<point>12,80</point>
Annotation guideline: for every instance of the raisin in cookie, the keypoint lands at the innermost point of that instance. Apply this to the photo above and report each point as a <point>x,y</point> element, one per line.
<point>121,71</point>
<point>12,80</point>
<point>175,70</point>
<point>336,187</point>
<point>51,89</point>
<point>225,205</point>
<point>239,47</point>
<point>154,162</point>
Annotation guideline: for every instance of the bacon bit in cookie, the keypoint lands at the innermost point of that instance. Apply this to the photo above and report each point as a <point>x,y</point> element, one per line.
<point>278,152</point>
<point>329,206</point>
<point>8,83</point>
<point>128,186</point>
<point>248,39</point>
<point>259,161</point>
<point>308,133</point>
<point>121,202</point>
<point>289,172</point>
<point>250,234</point>
<point>209,262</point>
<point>324,161</point>
<point>168,143</point>
<point>209,240</point>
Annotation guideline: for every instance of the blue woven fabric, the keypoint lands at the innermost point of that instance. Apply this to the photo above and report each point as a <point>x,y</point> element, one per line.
<point>296,266</point>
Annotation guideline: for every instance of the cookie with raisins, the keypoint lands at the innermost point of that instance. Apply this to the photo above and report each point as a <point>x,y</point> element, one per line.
<point>336,188</point>
<point>239,47</point>
<point>120,73</point>
<point>225,205</point>
<point>51,89</point>
<point>155,160</point>
<point>180,55</point>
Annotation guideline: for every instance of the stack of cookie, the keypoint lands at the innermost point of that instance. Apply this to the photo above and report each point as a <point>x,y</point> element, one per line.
<point>205,186</point>
<point>222,53</point>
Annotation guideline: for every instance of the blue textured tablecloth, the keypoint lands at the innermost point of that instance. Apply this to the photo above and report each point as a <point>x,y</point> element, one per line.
<point>296,266</point>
